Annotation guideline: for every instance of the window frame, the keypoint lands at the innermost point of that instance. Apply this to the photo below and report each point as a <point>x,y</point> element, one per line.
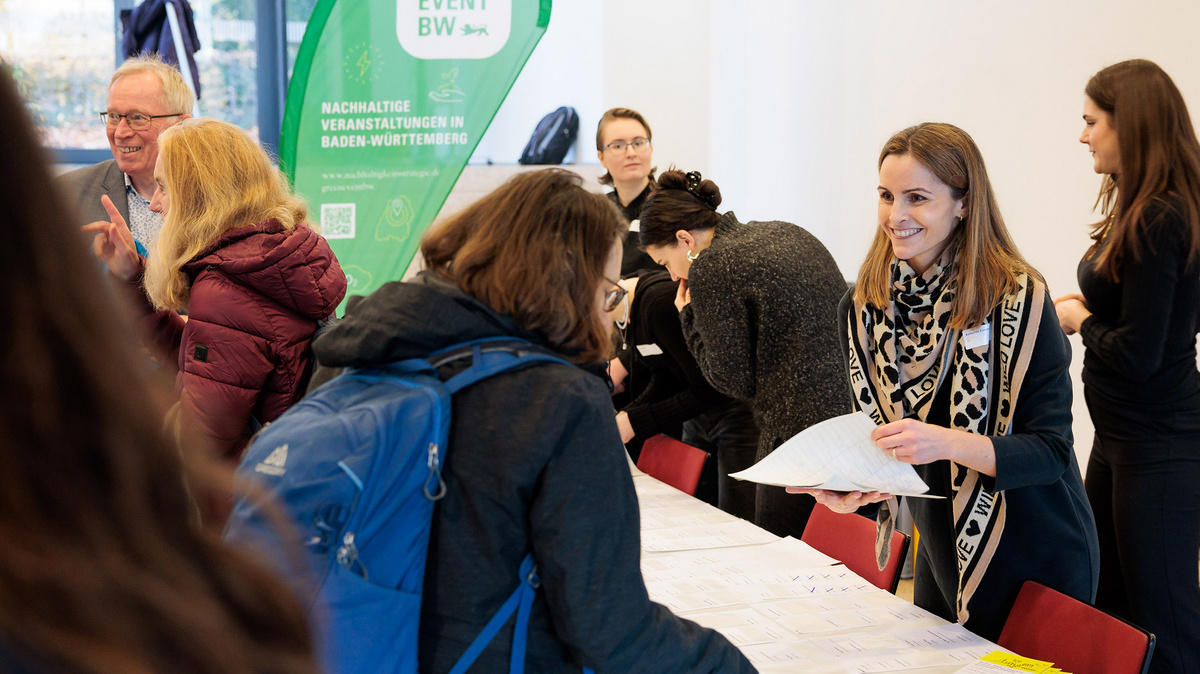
<point>270,45</point>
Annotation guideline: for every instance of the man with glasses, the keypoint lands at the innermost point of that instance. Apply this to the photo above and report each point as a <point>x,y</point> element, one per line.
<point>145,96</point>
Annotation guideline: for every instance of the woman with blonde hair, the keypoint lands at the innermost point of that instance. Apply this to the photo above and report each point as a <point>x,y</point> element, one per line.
<point>236,254</point>
<point>953,349</point>
<point>1138,316</point>
<point>102,568</point>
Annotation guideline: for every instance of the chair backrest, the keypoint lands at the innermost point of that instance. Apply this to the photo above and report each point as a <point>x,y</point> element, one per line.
<point>1048,625</point>
<point>850,539</point>
<point>673,462</point>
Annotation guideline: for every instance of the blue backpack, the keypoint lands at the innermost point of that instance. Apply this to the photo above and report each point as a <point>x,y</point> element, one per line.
<point>357,465</point>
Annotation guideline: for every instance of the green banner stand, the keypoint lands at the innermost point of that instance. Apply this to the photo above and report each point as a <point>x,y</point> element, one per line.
<point>387,101</point>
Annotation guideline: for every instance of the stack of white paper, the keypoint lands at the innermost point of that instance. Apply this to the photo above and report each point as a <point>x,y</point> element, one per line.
<point>839,455</point>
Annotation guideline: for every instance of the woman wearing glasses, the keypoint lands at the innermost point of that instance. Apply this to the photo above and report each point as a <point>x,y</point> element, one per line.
<point>535,462</point>
<point>255,280</point>
<point>757,304</point>
<point>1138,316</point>
<point>623,146</point>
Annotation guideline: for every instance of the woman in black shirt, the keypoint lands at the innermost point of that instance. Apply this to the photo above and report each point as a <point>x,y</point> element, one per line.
<point>1138,316</point>
<point>624,149</point>
<point>674,398</point>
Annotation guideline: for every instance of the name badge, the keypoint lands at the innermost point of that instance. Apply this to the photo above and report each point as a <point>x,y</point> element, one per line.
<point>649,349</point>
<point>977,337</point>
<point>635,226</point>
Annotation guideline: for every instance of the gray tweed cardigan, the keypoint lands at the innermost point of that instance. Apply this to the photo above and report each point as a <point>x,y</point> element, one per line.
<point>762,325</point>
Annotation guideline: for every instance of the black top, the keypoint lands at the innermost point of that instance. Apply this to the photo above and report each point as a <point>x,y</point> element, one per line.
<point>535,462</point>
<point>1141,336</point>
<point>762,325</point>
<point>1049,533</point>
<point>633,258</point>
<point>676,390</point>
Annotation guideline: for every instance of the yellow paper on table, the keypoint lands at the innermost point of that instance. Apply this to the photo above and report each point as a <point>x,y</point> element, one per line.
<point>1019,663</point>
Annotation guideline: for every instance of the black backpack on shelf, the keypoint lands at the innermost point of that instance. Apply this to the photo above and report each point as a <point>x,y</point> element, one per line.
<point>554,135</point>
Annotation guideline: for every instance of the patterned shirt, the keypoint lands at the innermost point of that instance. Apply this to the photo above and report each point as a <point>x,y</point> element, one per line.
<point>143,222</point>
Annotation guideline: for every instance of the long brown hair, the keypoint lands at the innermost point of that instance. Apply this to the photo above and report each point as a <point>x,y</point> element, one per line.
<point>217,178</point>
<point>1160,156</point>
<point>102,567</point>
<point>988,259</point>
<point>535,249</point>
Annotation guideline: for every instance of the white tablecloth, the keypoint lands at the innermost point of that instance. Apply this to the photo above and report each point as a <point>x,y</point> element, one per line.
<point>788,607</point>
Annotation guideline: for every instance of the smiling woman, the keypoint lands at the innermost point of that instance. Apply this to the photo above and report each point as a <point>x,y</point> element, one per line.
<point>921,333</point>
<point>918,212</point>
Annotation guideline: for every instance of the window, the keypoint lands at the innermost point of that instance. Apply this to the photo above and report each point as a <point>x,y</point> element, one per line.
<point>61,54</point>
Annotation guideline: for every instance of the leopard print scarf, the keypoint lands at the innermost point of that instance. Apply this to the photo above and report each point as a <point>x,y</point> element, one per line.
<point>901,356</point>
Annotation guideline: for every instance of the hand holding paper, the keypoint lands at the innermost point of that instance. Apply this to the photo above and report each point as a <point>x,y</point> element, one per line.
<point>837,454</point>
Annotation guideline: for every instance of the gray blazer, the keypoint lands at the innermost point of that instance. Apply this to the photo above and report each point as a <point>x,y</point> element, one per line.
<point>88,184</point>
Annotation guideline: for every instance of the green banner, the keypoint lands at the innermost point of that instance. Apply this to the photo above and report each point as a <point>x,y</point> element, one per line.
<point>388,100</point>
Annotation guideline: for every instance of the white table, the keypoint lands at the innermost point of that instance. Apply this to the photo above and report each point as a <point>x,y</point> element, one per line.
<point>788,607</point>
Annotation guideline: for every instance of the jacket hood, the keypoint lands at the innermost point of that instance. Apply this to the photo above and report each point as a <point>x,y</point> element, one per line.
<point>411,319</point>
<point>295,268</point>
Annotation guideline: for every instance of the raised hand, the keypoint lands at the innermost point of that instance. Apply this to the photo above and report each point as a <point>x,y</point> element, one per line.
<point>114,243</point>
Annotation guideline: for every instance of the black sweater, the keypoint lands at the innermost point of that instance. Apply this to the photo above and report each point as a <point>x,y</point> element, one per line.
<point>633,258</point>
<point>535,462</point>
<point>1141,336</point>
<point>676,390</point>
<point>761,325</point>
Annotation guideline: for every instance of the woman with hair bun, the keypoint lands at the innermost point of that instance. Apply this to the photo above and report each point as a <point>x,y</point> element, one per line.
<point>757,304</point>
<point>1138,316</point>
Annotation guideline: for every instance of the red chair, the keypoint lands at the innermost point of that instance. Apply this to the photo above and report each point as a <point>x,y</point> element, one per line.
<point>673,462</point>
<point>850,539</point>
<point>1048,625</point>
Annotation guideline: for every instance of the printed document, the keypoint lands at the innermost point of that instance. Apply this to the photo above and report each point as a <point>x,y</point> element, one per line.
<point>839,455</point>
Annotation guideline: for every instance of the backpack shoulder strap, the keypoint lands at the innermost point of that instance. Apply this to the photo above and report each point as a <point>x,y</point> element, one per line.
<point>488,357</point>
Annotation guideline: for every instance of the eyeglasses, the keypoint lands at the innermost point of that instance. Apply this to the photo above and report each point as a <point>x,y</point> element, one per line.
<point>612,299</point>
<point>136,120</point>
<point>618,146</point>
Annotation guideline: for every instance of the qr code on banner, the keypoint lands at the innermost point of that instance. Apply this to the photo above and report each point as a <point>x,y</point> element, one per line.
<point>337,221</point>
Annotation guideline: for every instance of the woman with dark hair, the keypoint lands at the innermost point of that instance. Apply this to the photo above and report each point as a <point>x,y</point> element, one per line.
<point>757,303</point>
<point>623,146</point>
<point>235,252</point>
<point>952,348</point>
<point>1138,316</point>
<point>103,568</point>
<point>535,461</point>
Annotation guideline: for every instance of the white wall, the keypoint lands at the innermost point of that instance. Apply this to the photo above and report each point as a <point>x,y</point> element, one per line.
<point>785,103</point>
<point>564,69</point>
<point>806,93</point>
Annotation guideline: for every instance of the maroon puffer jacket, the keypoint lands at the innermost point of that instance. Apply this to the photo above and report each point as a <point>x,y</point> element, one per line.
<point>256,298</point>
